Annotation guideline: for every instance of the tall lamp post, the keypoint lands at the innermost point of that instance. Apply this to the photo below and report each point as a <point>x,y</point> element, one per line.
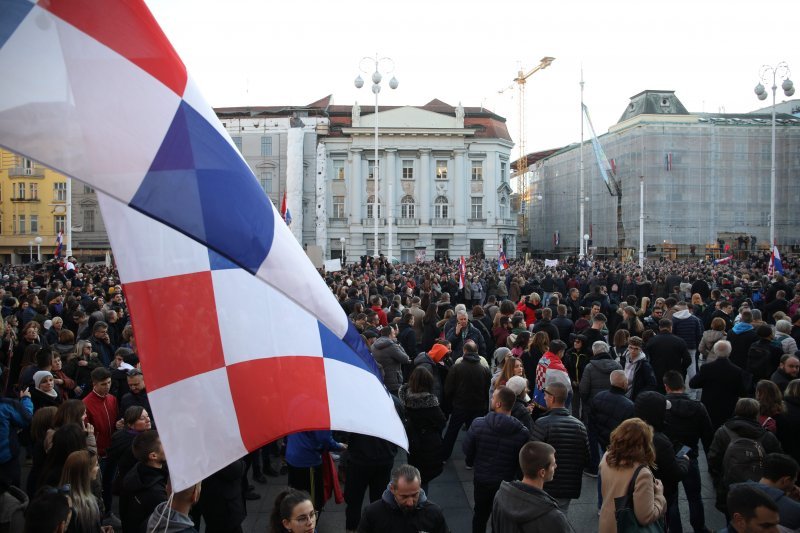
<point>341,240</point>
<point>30,251</point>
<point>366,65</point>
<point>38,241</point>
<point>778,72</point>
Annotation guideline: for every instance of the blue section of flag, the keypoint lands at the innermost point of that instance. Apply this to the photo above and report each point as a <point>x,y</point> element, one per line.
<point>12,13</point>
<point>350,350</point>
<point>197,179</point>
<point>218,262</point>
<point>288,217</point>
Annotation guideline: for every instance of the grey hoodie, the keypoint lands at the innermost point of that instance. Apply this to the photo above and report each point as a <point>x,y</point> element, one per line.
<point>521,508</point>
<point>171,522</point>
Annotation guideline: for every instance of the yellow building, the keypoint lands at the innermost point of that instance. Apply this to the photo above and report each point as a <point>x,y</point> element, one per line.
<point>33,203</point>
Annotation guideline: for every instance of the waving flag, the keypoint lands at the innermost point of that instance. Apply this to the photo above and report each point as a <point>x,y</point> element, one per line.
<point>502,262</point>
<point>59,244</point>
<point>286,215</point>
<point>93,89</point>
<point>462,271</point>
<point>723,260</point>
<point>775,264</point>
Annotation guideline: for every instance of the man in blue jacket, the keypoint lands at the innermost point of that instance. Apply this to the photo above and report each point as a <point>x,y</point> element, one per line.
<point>14,415</point>
<point>492,447</point>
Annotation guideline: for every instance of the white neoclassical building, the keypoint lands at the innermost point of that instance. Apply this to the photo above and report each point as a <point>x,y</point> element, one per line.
<point>443,176</point>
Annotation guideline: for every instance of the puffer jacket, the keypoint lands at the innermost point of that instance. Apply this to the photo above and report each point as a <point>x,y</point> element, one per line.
<point>651,407</point>
<point>568,436</point>
<point>385,516</point>
<point>596,376</point>
<point>391,356</point>
<point>688,327</point>
<point>688,423</point>
<point>521,508</point>
<point>424,422</point>
<point>492,446</point>
<point>608,409</point>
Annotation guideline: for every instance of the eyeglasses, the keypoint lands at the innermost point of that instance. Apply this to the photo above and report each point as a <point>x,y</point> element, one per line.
<point>547,392</point>
<point>63,489</point>
<point>307,518</point>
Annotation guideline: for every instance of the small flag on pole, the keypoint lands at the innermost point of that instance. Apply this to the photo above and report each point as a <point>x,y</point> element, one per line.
<point>59,244</point>
<point>462,272</point>
<point>502,262</point>
<point>775,264</point>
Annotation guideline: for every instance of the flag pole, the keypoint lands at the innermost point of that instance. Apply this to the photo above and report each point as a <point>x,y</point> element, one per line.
<point>68,229</point>
<point>581,244</point>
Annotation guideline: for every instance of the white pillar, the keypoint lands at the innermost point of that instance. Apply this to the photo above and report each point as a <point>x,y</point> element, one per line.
<point>322,199</point>
<point>391,175</point>
<point>459,182</point>
<point>424,183</point>
<point>294,180</point>
<point>354,186</point>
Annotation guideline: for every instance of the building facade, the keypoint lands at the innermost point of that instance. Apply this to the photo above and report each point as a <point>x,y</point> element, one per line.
<point>33,203</point>
<point>706,181</point>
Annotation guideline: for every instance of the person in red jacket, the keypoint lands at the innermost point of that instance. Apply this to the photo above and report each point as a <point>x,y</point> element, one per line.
<point>375,301</point>
<point>101,412</point>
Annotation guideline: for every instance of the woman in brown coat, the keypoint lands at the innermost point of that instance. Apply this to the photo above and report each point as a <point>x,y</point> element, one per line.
<point>631,446</point>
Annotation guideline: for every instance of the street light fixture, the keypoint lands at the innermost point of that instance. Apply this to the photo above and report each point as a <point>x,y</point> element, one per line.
<point>30,251</point>
<point>341,240</point>
<point>38,241</point>
<point>367,65</point>
<point>778,72</point>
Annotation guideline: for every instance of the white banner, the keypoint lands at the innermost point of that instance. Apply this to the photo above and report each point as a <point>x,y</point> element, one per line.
<point>551,262</point>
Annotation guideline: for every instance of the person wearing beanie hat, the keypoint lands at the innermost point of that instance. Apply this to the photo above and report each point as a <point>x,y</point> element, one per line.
<point>436,362</point>
<point>519,386</point>
<point>44,394</point>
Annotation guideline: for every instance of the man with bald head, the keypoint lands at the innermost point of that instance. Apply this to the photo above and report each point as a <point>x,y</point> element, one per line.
<point>610,408</point>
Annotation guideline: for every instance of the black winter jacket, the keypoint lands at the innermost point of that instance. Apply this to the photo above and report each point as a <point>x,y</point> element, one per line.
<point>607,411</point>
<point>142,490</point>
<point>565,327</point>
<point>651,407</point>
<point>644,378</point>
<point>787,430</point>
<point>424,423</point>
<point>466,385</point>
<point>666,352</point>
<point>688,423</point>
<point>744,428</point>
<point>520,508</point>
<point>385,516</point>
<point>492,446</point>
<point>438,371</point>
<point>568,436</point>
<point>222,498</point>
<point>596,376</point>
<point>723,383</point>
<point>521,413</point>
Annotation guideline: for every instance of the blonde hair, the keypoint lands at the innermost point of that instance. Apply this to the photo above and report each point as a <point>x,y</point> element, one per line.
<point>77,473</point>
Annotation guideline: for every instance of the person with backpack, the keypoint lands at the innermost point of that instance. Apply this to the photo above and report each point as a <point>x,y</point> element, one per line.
<point>738,450</point>
<point>763,357</point>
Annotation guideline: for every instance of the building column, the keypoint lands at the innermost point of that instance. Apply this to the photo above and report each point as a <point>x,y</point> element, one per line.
<point>294,180</point>
<point>321,198</point>
<point>424,182</point>
<point>391,176</point>
<point>354,186</point>
<point>460,194</point>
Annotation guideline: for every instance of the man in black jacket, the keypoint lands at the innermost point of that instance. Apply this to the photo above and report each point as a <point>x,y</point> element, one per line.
<point>651,407</point>
<point>404,506</point>
<point>608,409</point>
<point>145,486</point>
<point>546,325</point>
<point>723,383</point>
<point>563,324</point>
<point>492,446</point>
<point>568,435</point>
<point>687,423</point>
<point>667,352</point>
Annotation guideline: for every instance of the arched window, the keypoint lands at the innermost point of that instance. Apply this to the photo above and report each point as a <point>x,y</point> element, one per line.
<point>371,205</point>
<point>407,207</point>
<point>441,207</point>
<point>503,205</point>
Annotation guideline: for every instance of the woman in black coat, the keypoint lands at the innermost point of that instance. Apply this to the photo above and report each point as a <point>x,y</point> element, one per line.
<point>424,424</point>
<point>430,332</point>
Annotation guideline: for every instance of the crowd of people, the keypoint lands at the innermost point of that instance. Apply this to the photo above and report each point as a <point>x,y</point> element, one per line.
<point>589,369</point>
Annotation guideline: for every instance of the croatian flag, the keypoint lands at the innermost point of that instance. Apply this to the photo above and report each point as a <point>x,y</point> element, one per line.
<point>723,260</point>
<point>462,272</point>
<point>59,243</point>
<point>775,264</point>
<point>502,262</point>
<point>285,213</point>
<point>93,89</point>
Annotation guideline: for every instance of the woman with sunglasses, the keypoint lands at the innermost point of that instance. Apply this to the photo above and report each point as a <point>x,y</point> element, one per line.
<point>293,513</point>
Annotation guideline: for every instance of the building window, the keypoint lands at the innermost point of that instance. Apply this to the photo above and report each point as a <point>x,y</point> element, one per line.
<point>265,180</point>
<point>59,223</point>
<point>477,207</point>
<point>34,188</point>
<point>20,192</point>
<point>338,207</point>
<point>21,227</point>
<point>408,169</point>
<point>371,205</point>
<point>441,169</point>
<point>338,169</point>
<point>503,206</point>
<point>477,170</point>
<point>238,142</point>
<point>441,207</point>
<point>503,171</point>
<point>87,189</point>
<point>88,220</point>
<point>370,170</point>
<point>266,146</point>
<point>60,191</point>
<point>34,224</point>
<point>407,207</point>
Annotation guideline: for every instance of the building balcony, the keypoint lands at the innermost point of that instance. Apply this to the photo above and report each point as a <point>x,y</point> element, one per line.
<point>476,221</point>
<point>371,222</point>
<point>26,200</point>
<point>336,222</point>
<point>407,222</point>
<point>506,222</point>
<point>22,172</point>
<point>442,222</point>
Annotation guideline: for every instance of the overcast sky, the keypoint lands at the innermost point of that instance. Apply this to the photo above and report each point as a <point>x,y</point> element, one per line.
<point>259,52</point>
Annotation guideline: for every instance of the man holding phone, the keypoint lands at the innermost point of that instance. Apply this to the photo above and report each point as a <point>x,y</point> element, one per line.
<point>688,423</point>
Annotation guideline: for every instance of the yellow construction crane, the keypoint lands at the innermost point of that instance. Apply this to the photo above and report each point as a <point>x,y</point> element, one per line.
<point>522,162</point>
